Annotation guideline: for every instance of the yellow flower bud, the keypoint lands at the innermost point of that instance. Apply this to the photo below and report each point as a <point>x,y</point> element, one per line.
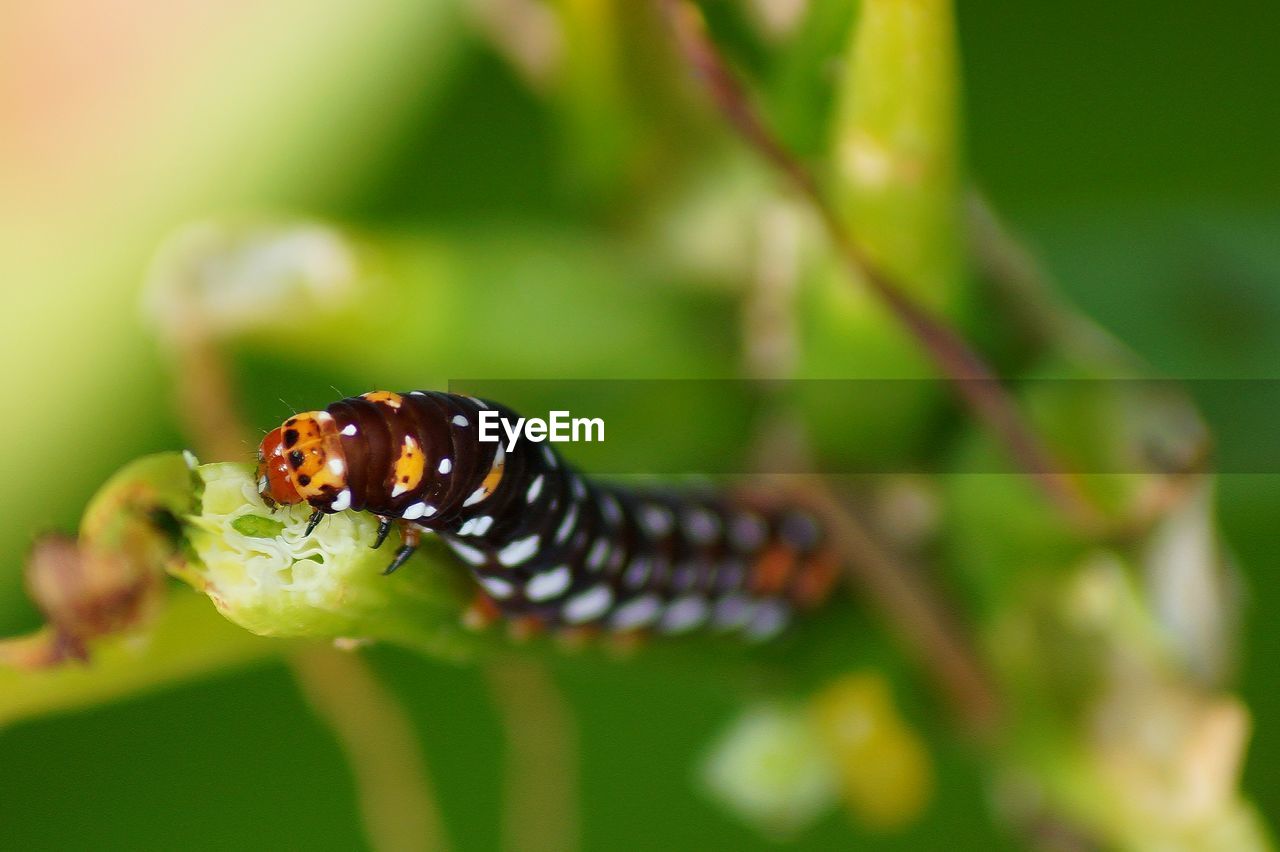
<point>886,777</point>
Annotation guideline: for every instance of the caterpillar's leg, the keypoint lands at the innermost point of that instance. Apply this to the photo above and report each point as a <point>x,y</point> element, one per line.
<point>313,522</point>
<point>384,528</point>
<point>410,538</point>
<point>482,612</point>
<point>577,637</point>
<point>522,628</point>
<point>626,643</point>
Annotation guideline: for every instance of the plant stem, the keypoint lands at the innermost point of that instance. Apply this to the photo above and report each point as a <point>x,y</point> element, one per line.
<point>975,382</point>
<point>914,611</point>
<point>205,401</point>
<point>187,639</point>
<point>540,812</point>
<point>397,803</point>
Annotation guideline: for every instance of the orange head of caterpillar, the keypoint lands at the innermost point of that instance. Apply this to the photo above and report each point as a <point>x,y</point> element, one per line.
<point>302,460</point>
<point>275,482</point>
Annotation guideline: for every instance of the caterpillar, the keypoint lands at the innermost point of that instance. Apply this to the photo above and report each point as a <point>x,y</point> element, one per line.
<point>544,543</point>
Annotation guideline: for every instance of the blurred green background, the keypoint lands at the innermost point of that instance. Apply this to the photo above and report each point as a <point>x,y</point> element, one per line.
<point>1132,144</point>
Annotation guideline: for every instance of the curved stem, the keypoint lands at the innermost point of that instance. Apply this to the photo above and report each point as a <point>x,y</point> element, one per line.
<point>541,810</point>
<point>188,639</point>
<point>973,380</point>
<point>206,401</point>
<point>914,611</point>
<point>397,803</point>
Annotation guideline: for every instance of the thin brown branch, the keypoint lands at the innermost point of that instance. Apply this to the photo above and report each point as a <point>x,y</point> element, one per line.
<point>913,610</point>
<point>1024,288</point>
<point>974,381</point>
<point>905,597</point>
<point>1012,271</point>
<point>397,803</point>
<point>206,401</point>
<point>541,809</point>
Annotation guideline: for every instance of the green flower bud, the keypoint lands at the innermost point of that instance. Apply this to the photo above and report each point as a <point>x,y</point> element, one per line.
<point>772,768</point>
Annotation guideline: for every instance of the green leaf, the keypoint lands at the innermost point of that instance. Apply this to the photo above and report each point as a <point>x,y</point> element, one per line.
<point>256,526</point>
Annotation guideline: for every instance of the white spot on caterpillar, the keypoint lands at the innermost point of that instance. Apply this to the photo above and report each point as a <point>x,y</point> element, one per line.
<point>732,612</point>
<point>468,553</point>
<point>549,456</point>
<point>418,510</point>
<point>549,584</point>
<point>476,496</point>
<point>592,603</point>
<point>566,526</point>
<point>445,466</point>
<point>535,488</point>
<point>518,551</point>
<point>324,417</point>
<point>747,532</point>
<point>476,526</point>
<point>685,576</point>
<point>459,420</point>
<point>342,502</point>
<point>610,509</point>
<point>417,393</point>
<point>579,488</point>
<point>599,552</point>
<point>637,573</point>
<point>684,614</point>
<point>398,490</point>
<point>701,525</point>
<point>800,530</point>
<point>656,520</point>
<point>337,467</point>
<point>636,613</point>
<point>497,587</point>
<point>349,430</point>
<point>479,402</point>
<point>770,618</point>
